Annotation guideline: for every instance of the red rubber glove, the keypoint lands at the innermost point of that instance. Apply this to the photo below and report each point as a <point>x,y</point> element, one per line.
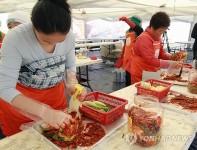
<point>128,21</point>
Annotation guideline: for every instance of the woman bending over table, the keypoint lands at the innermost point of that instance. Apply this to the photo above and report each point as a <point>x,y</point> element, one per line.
<point>34,59</point>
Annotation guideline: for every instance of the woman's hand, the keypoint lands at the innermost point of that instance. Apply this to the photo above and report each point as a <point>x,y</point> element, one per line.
<point>123,19</point>
<point>55,118</point>
<point>128,21</point>
<point>78,91</point>
<point>176,64</point>
<point>166,64</point>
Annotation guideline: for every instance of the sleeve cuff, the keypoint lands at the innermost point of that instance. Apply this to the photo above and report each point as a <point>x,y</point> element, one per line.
<point>9,94</point>
<point>72,69</point>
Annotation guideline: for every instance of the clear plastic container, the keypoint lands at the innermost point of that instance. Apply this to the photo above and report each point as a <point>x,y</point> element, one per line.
<point>192,80</point>
<point>145,119</point>
<point>85,52</point>
<point>79,54</point>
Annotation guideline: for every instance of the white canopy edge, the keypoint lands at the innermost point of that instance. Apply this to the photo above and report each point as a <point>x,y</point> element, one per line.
<point>182,10</point>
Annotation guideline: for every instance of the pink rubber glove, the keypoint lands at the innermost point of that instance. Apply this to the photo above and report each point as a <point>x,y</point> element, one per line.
<point>128,21</point>
<point>123,18</point>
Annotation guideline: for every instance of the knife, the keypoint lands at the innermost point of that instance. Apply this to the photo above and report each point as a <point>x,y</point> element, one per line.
<point>181,70</point>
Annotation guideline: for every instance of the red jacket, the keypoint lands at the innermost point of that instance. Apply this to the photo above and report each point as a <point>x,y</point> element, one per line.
<point>2,35</point>
<point>143,47</point>
<point>147,52</point>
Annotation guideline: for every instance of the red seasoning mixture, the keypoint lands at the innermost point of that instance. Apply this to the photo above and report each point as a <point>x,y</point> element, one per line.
<point>174,78</point>
<point>146,125</point>
<point>78,134</point>
<point>189,103</point>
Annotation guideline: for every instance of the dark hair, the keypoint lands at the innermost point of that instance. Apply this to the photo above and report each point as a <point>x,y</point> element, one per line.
<point>50,16</point>
<point>160,19</point>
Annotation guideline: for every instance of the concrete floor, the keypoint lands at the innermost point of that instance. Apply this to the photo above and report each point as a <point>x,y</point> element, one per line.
<point>102,76</point>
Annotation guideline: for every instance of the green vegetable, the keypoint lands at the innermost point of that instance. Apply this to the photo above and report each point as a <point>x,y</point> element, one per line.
<point>87,103</point>
<point>55,137</point>
<point>97,105</point>
<point>100,104</point>
<point>45,127</point>
<point>64,137</point>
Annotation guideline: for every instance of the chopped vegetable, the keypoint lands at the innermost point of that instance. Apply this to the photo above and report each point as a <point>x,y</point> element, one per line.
<point>97,105</point>
<point>64,137</point>
<point>74,103</point>
<point>67,133</point>
<point>148,85</point>
<point>145,84</point>
<point>86,135</point>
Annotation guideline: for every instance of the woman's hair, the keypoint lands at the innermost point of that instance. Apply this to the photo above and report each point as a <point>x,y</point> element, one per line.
<point>160,20</point>
<point>51,16</point>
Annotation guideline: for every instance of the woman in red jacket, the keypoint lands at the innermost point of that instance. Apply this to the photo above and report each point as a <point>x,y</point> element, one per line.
<point>148,53</point>
<point>134,31</point>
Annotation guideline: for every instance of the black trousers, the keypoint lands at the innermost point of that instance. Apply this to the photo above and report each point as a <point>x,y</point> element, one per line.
<point>193,146</point>
<point>1,134</point>
<point>127,79</point>
<point>194,50</point>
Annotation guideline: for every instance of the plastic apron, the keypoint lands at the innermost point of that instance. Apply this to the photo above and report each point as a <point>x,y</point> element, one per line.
<point>130,39</point>
<point>55,96</point>
<point>138,64</point>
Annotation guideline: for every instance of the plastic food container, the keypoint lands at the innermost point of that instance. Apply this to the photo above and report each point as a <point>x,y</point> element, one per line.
<point>145,121</point>
<point>192,80</point>
<point>119,75</point>
<point>159,94</point>
<point>105,118</point>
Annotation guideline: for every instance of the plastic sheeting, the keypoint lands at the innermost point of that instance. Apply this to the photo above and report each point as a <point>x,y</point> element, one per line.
<point>113,9</point>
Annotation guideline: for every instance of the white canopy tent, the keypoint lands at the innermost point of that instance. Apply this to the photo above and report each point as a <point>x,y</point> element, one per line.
<point>178,10</point>
<point>113,9</point>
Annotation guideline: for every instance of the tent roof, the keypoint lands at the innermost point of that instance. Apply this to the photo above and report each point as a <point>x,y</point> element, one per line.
<point>113,9</point>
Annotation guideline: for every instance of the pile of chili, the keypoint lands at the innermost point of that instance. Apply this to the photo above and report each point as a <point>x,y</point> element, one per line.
<point>174,78</point>
<point>87,135</point>
<point>186,102</point>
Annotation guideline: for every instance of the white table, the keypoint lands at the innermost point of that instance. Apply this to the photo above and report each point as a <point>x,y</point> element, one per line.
<point>95,44</point>
<point>83,41</point>
<point>186,44</point>
<point>109,46</point>
<point>109,39</point>
<point>86,62</point>
<point>176,125</point>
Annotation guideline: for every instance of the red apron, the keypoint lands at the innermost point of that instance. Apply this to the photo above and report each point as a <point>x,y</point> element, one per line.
<point>130,39</point>
<point>2,35</point>
<point>138,64</point>
<point>11,120</point>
